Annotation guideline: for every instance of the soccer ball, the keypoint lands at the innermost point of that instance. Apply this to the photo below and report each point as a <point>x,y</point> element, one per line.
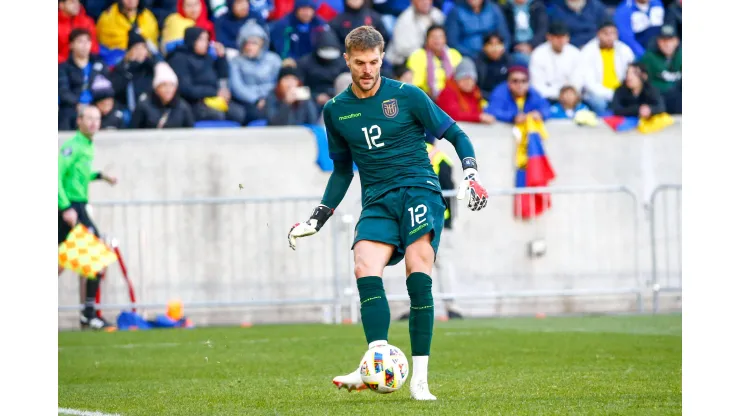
<point>384,369</point>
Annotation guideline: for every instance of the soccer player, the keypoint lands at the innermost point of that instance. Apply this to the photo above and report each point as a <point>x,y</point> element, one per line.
<point>379,124</point>
<point>75,174</point>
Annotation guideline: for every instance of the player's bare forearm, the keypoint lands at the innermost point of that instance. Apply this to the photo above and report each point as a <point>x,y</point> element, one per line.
<point>338,184</point>
<point>461,142</point>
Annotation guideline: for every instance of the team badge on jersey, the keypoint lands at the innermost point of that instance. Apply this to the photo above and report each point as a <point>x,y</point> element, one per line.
<point>390,108</point>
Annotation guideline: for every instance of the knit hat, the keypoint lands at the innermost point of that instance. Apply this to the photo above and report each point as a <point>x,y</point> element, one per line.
<point>667,32</point>
<point>288,70</point>
<point>134,38</point>
<point>304,3</point>
<point>466,69</point>
<point>519,68</point>
<point>163,73</point>
<point>101,88</point>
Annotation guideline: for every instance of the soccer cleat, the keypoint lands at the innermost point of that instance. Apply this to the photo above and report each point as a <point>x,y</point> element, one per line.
<point>351,381</point>
<point>96,323</point>
<point>420,390</point>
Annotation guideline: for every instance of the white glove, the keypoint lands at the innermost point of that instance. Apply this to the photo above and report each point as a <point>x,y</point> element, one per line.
<point>471,189</point>
<point>304,229</point>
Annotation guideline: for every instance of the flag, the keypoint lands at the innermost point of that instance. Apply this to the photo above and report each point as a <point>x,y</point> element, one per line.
<point>84,253</point>
<point>648,125</point>
<point>533,169</point>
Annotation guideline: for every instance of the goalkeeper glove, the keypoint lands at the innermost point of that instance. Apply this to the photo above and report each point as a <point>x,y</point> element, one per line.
<point>304,229</point>
<point>470,187</point>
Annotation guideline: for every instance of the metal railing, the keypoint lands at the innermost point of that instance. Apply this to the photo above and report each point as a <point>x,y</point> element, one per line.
<point>665,212</point>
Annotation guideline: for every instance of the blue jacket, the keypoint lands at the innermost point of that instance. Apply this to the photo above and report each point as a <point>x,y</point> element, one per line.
<point>465,29</point>
<point>292,39</point>
<point>637,28</point>
<point>558,112</point>
<point>227,27</point>
<point>582,26</point>
<point>392,7</point>
<point>502,105</point>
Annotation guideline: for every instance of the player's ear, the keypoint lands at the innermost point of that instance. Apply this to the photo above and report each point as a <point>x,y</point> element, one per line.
<point>346,58</point>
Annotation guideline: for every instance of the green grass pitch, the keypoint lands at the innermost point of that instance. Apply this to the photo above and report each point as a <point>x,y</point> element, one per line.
<point>607,365</point>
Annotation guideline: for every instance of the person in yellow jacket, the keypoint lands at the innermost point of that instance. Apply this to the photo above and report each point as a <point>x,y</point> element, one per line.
<point>442,165</point>
<point>433,64</point>
<point>115,23</point>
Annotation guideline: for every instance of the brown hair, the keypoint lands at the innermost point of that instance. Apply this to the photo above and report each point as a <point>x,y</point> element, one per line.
<point>363,38</point>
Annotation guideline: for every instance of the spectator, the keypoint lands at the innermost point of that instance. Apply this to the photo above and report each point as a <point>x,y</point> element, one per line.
<point>111,114</point>
<point>117,21</point>
<point>390,10</point>
<point>75,76</point>
<point>357,13</point>
<point>203,80</point>
<point>433,64</point>
<point>492,64</point>
<point>554,64</point>
<point>285,106</point>
<point>638,22</point>
<point>164,109</point>
<point>513,101</point>
<point>132,77</point>
<point>663,67</point>
<point>321,67</point>
<point>470,21</point>
<point>162,9</point>
<point>411,28</point>
<point>189,13</point>
<point>231,22</point>
<point>403,73</point>
<point>252,74</point>
<point>673,16</point>
<point>568,104</point>
<point>636,97</point>
<point>95,8</point>
<point>527,23</point>
<point>72,16</point>
<point>582,17</point>
<point>603,65</point>
<point>259,9</point>
<point>461,98</point>
<point>294,36</point>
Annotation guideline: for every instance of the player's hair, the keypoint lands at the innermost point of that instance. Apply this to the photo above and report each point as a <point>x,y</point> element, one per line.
<point>363,38</point>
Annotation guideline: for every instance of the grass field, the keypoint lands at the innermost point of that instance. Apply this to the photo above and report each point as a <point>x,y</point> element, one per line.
<point>626,365</point>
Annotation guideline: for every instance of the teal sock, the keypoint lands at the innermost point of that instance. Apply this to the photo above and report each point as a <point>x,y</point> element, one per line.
<point>376,315</point>
<point>421,317</point>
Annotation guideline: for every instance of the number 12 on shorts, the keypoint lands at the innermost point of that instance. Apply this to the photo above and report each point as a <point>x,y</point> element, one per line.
<point>417,214</point>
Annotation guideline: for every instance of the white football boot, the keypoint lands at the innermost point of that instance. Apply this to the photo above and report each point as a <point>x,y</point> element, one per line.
<point>420,390</point>
<point>351,381</point>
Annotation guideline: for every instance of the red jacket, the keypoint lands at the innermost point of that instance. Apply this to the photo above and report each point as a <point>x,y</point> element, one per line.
<point>459,105</point>
<point>67,23</point>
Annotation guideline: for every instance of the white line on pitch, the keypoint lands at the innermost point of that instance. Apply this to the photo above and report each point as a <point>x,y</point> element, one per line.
<point>75,412</point>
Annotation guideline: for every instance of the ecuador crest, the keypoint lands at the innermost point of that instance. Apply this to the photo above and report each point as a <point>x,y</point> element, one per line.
<point>390,108</point>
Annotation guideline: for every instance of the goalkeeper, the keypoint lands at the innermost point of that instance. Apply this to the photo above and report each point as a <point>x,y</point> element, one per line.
<point>75,174</point>
<point>380,124</point>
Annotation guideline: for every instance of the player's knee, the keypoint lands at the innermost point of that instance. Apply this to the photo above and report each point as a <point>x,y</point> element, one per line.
<point>363,268</point>
<point>419,259</point>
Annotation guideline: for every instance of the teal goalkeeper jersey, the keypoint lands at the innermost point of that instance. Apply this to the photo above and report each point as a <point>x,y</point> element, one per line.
<point>385,136</point>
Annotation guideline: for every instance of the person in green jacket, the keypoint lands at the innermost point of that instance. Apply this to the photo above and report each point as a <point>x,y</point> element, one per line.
<point>663,64</point>
<point>75,174</point>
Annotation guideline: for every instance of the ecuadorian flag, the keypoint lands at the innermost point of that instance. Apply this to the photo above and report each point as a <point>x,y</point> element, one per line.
<point>533,169</point>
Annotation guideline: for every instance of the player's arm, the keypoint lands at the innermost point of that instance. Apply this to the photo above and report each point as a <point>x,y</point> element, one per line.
<point>336,187</point>
<point>66,160</point>
<point>439,124</point>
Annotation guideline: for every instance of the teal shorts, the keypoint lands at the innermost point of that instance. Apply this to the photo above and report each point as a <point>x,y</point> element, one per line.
<point>400,217</point>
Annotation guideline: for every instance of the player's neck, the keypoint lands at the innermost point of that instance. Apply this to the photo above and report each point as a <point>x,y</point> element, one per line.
<point>366,94</point>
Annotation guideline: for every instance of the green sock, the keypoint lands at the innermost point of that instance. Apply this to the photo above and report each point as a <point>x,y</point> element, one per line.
<point>421,317</point>
<point>376,315</point>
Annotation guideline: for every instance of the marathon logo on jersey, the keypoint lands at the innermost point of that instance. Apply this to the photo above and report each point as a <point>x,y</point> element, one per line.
<point>390,108</point>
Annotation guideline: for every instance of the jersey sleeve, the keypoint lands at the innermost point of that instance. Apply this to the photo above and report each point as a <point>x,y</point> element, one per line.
<point>433,118</point>
<point>67,157</point>
<point>338,147</point>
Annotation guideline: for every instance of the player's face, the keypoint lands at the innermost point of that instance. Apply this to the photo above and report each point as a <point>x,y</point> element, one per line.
<point>364,67</point>
<point>89,121</point>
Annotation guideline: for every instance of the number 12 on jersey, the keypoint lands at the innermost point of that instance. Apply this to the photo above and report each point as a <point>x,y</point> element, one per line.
<point>372,135</point>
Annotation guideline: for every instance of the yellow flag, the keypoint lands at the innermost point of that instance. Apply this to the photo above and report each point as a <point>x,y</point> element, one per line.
<point>655,123</point>
<point>84,253</point>
<point>524,128</point>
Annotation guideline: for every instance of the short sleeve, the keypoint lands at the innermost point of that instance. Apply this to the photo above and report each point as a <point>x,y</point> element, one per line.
<point>338,147</point>
<point>433,118</point>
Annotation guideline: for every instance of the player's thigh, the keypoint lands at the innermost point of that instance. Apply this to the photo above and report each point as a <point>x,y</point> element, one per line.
<point>371,257</point>
<point>84,219</point>
<point>421,228</point>
<point>379,223</point>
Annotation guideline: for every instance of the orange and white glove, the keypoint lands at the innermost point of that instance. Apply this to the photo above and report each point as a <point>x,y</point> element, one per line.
<point>304,229</point>
<point>470,188</point>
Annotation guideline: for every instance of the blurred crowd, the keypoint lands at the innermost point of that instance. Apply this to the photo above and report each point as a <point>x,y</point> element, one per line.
<point>226,63</point>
